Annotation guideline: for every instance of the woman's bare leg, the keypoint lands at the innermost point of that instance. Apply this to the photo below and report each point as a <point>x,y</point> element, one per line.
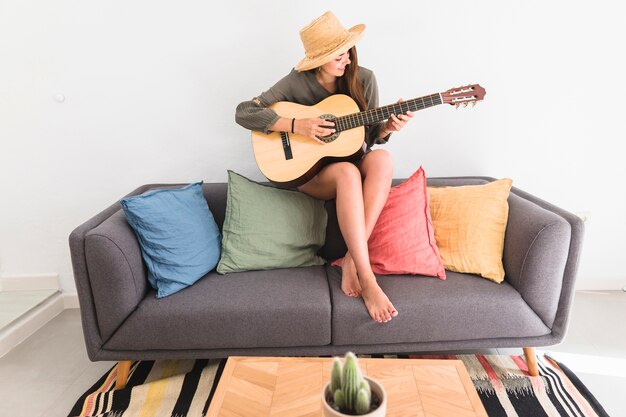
<point>342,181</point>
<point>377,171</point>
<point>349,278</point>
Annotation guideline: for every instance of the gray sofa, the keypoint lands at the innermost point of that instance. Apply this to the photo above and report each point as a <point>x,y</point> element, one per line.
<point>302,311</point>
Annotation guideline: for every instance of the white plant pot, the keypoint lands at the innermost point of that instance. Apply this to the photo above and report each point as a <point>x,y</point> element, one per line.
<point>377,389</point>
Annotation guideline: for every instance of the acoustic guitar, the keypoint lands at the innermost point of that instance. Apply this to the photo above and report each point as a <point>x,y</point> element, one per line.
<point>290,160</point>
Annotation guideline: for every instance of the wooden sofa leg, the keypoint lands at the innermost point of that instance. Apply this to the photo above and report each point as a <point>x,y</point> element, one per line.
<point>123,368</point>
<point>531,361</point>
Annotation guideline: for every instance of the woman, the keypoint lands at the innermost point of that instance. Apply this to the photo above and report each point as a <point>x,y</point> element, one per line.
<point>360,189</point>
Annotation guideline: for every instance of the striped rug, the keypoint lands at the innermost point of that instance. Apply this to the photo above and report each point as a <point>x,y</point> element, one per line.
<point>184,388</point>
<point>175,388</point>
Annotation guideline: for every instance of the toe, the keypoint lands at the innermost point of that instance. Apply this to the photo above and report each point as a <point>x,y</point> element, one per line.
<point>391,310</point>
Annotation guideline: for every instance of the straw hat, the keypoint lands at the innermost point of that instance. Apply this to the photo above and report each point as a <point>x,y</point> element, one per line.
<point>325,38</point>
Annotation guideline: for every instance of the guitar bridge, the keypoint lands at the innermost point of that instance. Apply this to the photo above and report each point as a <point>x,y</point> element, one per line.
<point>286,145</point>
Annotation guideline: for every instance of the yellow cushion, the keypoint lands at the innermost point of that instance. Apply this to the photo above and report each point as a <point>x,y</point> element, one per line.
<point>470,222</point>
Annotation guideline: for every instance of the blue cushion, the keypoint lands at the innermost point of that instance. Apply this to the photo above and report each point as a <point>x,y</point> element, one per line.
<point>180,241</point>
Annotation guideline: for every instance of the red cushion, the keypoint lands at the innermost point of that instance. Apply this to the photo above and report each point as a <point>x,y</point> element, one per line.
<point>403,239</point>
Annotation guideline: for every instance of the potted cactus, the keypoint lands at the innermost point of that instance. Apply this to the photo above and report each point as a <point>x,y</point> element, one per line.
<point>349,393</point>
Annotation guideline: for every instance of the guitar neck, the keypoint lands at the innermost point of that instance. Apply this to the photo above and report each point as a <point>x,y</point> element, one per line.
<point>379,114</point>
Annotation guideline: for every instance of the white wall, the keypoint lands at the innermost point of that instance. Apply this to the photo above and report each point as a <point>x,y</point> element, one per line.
<point>151,89</point>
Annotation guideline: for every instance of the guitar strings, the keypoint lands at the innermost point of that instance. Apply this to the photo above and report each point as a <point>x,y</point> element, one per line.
<point>353,120</point>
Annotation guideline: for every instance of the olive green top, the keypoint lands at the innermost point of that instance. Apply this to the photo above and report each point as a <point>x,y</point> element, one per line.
<point>303,88</point>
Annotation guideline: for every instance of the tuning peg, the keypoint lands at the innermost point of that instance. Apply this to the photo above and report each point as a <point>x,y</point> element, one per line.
<point>456,105</point>
<point>465,104</point>
<point>473,104</point>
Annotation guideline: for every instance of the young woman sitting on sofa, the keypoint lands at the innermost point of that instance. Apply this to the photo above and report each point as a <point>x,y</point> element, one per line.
<point>331,66</point>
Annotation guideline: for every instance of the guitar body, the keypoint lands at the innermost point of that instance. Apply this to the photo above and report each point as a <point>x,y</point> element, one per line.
<point>289,160</point>
<point>288,168</point>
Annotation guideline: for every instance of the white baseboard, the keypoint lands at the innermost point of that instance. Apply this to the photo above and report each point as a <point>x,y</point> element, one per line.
<point>29,282</point>
<point>600,284</point>
<point>22,328</point>
<point>70,300</point>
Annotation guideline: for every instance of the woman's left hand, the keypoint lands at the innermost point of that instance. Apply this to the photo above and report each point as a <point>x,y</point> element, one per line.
<point>397,122</point>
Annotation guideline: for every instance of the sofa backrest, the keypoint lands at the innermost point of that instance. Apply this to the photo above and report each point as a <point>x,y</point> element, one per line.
<point>216,194</point>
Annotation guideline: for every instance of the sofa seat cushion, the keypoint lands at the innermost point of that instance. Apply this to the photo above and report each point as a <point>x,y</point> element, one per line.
<point>274,308</point>
<point>463,307</point>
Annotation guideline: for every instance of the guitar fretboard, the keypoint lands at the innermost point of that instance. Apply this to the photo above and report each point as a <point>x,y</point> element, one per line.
<point>379,114</point>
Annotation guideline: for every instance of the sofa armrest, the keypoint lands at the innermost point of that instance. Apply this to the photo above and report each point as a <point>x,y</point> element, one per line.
<point>541,252</point>
<point>117,273</point>
<point>83,266</point>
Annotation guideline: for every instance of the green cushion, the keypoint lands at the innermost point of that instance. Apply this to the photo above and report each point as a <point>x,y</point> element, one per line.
<point>268,228</point>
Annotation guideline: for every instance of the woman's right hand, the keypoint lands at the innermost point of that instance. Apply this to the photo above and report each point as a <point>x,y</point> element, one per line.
<point>313,128</point>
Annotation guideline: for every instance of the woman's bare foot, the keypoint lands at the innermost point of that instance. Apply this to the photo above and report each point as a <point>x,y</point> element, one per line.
<point>377,302</point>
<point>349,278</point>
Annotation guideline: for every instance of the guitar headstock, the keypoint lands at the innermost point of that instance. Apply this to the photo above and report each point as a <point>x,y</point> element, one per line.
<point>462,96</point>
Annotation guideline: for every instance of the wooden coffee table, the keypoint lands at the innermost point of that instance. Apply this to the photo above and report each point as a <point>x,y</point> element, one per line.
<point>292,387</point>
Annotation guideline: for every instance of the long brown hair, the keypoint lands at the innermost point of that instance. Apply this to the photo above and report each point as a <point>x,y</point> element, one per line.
<point>350,84</point>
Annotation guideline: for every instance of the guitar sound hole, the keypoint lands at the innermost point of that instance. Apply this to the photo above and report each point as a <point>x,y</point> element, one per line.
<point>329,138</point>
